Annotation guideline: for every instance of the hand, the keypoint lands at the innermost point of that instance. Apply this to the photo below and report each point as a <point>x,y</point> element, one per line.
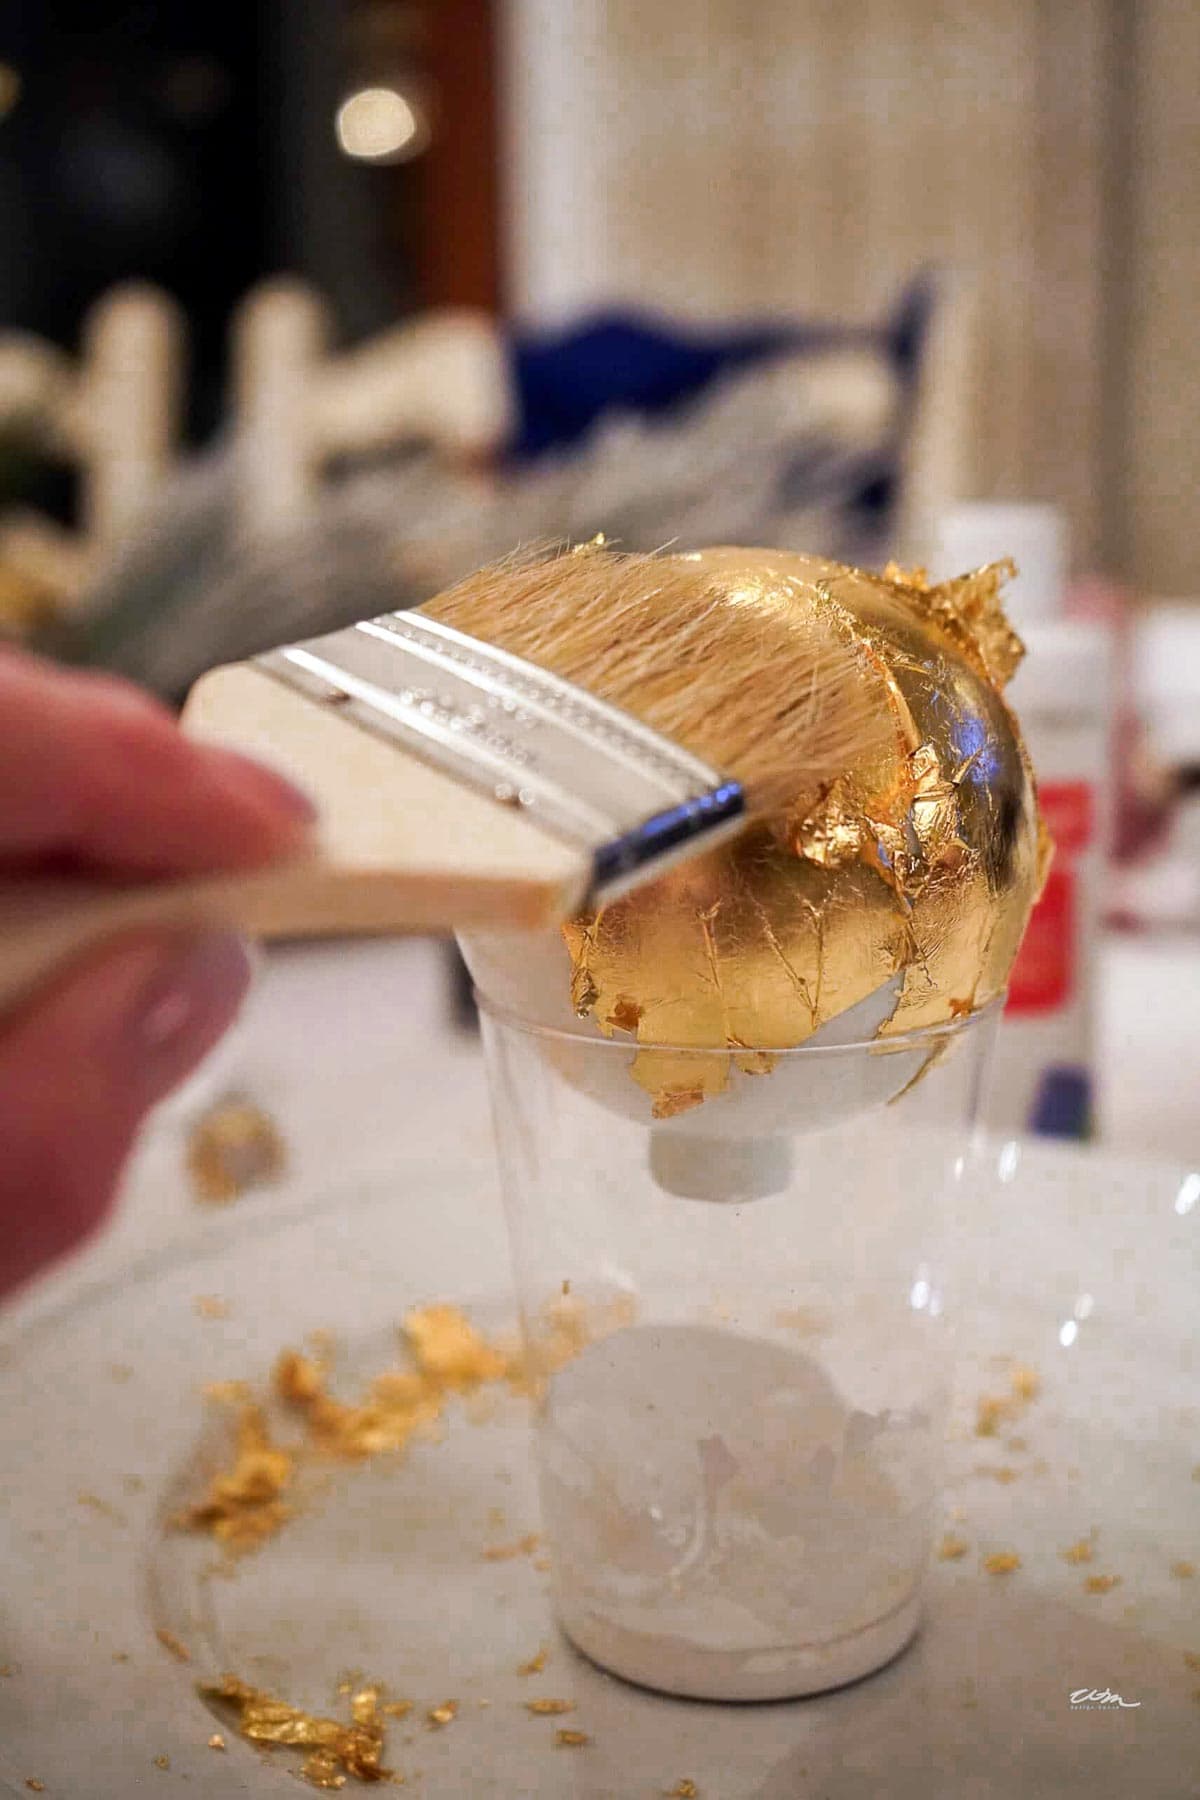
<point>96,777</point>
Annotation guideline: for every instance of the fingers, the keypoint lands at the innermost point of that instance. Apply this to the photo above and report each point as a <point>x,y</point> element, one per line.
<point>79,1069</point>
<point>95,772</point>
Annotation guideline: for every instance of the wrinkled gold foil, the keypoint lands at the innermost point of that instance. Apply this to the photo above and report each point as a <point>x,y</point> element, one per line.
<point>922,860</point>
<point>335,1749</point>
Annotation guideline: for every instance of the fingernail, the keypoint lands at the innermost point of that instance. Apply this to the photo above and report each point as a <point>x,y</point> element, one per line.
<point>255,781</point>
<point>185,1007</point>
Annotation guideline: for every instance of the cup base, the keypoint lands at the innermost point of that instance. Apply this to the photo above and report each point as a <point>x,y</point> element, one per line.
<point>691,1672</point>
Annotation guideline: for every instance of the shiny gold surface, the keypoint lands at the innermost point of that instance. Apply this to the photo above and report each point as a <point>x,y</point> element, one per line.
<point>921,859</point>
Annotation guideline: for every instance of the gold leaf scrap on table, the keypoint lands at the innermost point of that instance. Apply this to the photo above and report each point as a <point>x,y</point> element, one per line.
<point>684,1790</point>
<point>952,1548</point>
<point>174,1646</point>
<point>249,1500</point>
<point>571,1740</point>
<point>549,1708</point>
<point>336,1748</point>
<point>1101,1584</point>
<point>233,1147</point>
<point>1081,1552</point>
<point>524,1546</point>
<point>1183,1571</point>
<point>1001,1562</point>
<point>536,1664</point>
<point>919,859</point>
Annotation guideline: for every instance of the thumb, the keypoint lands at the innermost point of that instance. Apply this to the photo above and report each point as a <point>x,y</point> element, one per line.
<point>79,1067</point>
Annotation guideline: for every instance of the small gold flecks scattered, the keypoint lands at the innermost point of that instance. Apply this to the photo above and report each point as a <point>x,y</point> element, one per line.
<point>1001,1472</point>
<point>162,1762</point>
<point>397,1709</point>
<point>250,1500</point>
<point>566,1289</point>
<point>34,1785</point>
<point>1183,1571</point>
<point>952,1547</point>
<point>1191,1660</point>
<point>524,1546</point>
<point>211,1306</point>
<point>437,1716</point>
<point>1081,1552</point>
<point>233,1148</point>
<point>1001,1562</point>
<point>571,1740</point>
<point>549,1708</point>
<point>5,1671</point>
<point>1101,1584</point>
<point>536,1664</point>
<point>173,1645</point>
<point>216,1741</point>
<point>684,1790</point>
<point>542,1564</point>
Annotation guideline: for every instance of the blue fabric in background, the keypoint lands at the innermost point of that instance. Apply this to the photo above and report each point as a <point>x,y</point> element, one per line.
<point>636,362</point>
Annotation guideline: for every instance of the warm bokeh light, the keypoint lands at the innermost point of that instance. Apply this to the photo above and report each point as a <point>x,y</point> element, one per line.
<point>379,124</point>
<point>10,88</point>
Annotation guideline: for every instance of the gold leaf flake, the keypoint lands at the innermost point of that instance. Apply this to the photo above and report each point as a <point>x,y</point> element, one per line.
<point>1081,1552</point>
<point>443,1714</point>
<point>1001,1562</point>
<point>1026,1382</point>
<point>952,1547</point>
<point>571,1740</point>
<point>549,1708</point>
<point>535,1665</point>
<point>991,1411</point>
<point>216,1741</point>
<point>1101,1584</point>
<point>171,1643</point>
<point>162,1762</point>
<point>233,1148</point>
<point>1183,1571</point>
<point>524,1546</point>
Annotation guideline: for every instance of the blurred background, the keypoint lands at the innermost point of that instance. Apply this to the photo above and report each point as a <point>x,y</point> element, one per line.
<point>310,300</point>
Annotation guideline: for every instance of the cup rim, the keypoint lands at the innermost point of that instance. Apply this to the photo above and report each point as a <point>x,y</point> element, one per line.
<point>922,1037</point>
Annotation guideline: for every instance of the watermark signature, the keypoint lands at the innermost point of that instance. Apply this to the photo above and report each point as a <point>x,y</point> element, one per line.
<point>1097,1700</point>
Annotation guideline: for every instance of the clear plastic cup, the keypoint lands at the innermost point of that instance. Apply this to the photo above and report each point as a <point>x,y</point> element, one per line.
<point>740,1396</point>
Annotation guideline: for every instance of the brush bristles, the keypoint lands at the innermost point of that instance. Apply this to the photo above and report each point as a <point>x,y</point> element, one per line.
<point>753,673</point>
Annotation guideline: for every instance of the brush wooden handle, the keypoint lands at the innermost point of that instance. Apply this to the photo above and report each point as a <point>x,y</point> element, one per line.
<point>402,847</point>
<point>47,925</point>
